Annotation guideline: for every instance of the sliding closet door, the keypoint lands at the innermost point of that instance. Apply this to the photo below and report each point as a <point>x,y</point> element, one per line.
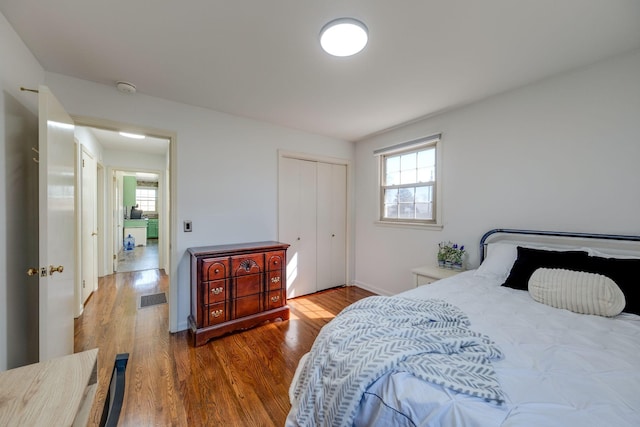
<point>297,223</point>
<point>331,225</point>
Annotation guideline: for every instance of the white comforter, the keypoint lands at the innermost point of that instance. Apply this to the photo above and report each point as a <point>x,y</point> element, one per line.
<point>560,368</point>
<point>430,339</point>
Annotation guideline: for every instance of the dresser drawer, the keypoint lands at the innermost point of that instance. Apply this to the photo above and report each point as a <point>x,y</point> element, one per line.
<point>247,264</point>
<point>214,269</point>
<point>247,306</point>
<point>275,260</point>
<point>275,299</point>
<point>216,313</point>
<point>274,280</point>
<point>247,285</point>
<point>216,291</point>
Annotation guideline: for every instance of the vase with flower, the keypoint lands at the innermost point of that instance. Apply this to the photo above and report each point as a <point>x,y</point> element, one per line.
<point>450,255</point>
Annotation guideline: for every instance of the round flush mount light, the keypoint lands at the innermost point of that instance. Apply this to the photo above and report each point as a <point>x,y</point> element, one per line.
<point>344,37</point>
<point>126,87</point>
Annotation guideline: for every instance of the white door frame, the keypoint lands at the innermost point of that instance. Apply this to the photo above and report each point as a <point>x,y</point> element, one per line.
<point>100,207</point>
<point>167,226</point>
<point>118,172</point>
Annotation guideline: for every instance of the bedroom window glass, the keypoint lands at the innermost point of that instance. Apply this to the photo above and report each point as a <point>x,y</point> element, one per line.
<point>408,182</point>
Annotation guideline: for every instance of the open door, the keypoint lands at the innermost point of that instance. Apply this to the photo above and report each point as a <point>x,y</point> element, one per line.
<point>88,227</point>
<point>56,227</point>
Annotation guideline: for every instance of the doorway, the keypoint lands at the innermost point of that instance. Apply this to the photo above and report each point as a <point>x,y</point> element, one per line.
<point>118,155</point>
<point>139,242</point>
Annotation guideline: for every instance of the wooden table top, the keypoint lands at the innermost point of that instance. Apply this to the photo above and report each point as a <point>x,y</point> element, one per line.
<point>47,393</point>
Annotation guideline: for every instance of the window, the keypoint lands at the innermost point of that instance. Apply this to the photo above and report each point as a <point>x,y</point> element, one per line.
<point>408,182</point>
<point>146,198</point>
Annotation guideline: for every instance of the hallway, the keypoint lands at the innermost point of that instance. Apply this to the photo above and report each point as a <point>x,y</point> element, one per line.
<point>140,258</point>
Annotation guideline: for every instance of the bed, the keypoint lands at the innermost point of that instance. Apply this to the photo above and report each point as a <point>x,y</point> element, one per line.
<point>561,344</point>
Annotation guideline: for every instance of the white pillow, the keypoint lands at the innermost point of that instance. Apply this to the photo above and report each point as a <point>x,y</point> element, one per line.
<point>502,255</point>
<point>499,260</point>
<point>595,252</point>
<point>578,291</point>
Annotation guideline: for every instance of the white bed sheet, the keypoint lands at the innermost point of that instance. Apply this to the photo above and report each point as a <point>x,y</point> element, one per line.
<point>560,368</point>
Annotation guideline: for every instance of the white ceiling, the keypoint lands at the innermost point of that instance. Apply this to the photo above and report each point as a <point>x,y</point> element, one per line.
<point>261,59</point>
<point>112,140</point>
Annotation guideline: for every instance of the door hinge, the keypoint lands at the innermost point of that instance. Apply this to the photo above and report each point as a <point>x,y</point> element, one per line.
<point>114,256</point>
<point>83,284</point>
<point>82,162</point>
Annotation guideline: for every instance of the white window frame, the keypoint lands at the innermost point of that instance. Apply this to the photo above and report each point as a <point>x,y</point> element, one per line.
<point>411,146</point>
<point>155,190</point>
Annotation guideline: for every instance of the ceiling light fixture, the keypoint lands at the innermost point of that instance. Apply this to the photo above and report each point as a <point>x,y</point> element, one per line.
<point>126,87</point>
<point>132,135</point>
<point>344,37</point>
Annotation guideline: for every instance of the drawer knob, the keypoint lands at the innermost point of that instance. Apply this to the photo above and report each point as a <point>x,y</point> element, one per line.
<point>217,270</point>
<point>216,313</point>
<point>217,291</point>
<point>275,279</point>
<point>275,262</point>
<point>275,299</point>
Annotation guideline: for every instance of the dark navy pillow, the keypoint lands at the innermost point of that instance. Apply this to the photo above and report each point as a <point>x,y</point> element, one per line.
<point>625,272</point>
<point>529,260</point>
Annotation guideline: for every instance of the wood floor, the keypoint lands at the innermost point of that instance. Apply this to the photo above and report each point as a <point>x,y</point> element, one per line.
<point>237,380</point>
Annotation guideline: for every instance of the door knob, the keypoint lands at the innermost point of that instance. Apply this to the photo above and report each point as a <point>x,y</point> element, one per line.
<point>53,269</point>
<point>32,271</point>
<point>94,234</point>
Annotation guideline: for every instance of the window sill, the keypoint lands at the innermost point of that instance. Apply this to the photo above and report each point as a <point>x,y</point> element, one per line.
<point>409,225</point>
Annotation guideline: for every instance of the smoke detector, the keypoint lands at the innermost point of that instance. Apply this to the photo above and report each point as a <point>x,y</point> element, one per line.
<point>126,87</point>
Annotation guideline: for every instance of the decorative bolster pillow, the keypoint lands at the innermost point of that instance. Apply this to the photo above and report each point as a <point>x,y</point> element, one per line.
<point>577,291</point>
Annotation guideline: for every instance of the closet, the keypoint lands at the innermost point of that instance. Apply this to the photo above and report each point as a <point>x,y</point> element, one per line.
<point>313,220</point>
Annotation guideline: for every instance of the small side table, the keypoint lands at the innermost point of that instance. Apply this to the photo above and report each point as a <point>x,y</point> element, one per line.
<point>430,273</point>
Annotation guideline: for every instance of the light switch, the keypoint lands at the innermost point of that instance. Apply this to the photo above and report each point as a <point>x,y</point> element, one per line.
<point>187,226</point>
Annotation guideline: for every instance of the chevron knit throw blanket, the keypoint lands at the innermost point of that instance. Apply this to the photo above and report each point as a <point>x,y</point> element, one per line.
<point>429,339</point>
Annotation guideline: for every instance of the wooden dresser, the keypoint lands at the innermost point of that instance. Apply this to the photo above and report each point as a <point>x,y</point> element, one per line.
<point>236,287</point>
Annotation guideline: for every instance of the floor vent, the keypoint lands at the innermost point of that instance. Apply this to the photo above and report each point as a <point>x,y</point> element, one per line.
<point>153,299</point>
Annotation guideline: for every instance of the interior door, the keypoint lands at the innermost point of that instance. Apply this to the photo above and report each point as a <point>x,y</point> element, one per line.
<point>297,223</point>
<point>88,227</point>
<point>332,224</point>
<point>116,221</point>
<point>56,227</point>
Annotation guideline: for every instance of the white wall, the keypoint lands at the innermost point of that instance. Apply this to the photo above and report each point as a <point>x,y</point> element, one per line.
<point>226,166</point>
<point>18,199</point>
<point>561,154</point>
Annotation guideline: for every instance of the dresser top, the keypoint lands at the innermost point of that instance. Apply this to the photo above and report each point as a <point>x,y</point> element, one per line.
<point>238,248</point>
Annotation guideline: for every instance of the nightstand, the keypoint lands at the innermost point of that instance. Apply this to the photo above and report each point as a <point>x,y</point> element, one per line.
<point>430,273</point>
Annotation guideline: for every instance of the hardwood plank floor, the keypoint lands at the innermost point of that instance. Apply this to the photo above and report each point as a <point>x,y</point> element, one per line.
<point>237,380</point>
